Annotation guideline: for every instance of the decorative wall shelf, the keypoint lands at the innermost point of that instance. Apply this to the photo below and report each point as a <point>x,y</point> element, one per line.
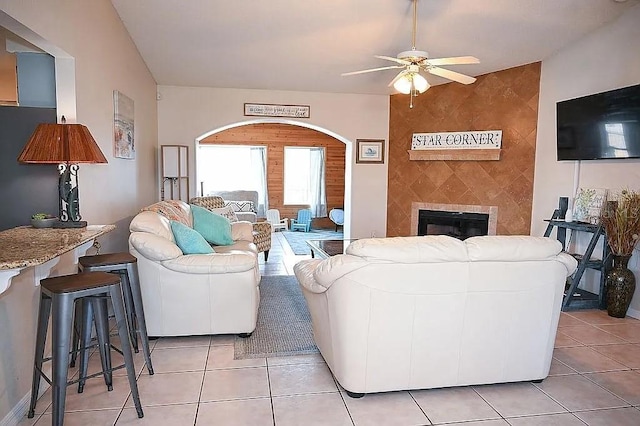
<point>454,154</point>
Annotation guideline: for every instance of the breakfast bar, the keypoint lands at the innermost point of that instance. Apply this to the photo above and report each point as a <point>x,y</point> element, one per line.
<point>25,246</point>
<point>27,255</point>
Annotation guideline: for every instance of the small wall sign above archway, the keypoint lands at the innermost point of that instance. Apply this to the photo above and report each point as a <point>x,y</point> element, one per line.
<point>272,110</point>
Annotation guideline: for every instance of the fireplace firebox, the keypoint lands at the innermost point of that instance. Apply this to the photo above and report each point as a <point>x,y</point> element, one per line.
<point>461,225</point>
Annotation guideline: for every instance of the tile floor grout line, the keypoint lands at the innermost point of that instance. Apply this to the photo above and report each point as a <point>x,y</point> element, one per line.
<point>273,411</point>
<point>473,387</point>
<point>419,406</point>
<point>592,409</point>
<point>605,389</point>
<point>342,397</point>
<point>204,375</point>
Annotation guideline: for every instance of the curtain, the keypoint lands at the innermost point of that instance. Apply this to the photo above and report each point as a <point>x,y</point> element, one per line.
<point>318,196</point>
<point>259,168</point>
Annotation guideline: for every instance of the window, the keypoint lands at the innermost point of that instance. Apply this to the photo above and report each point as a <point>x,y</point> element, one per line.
<point>616,140</point>
<point>234,167</point>
<point>304,178</point>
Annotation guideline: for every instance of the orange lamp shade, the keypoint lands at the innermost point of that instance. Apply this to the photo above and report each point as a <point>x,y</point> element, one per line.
<point>61,143</point>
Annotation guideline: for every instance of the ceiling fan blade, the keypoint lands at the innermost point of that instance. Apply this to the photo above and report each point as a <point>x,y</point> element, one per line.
<point>458,60</point>
<point>451,75</point>
<point>397,77</point>
<point>390,58</point>
<point>372,70</point>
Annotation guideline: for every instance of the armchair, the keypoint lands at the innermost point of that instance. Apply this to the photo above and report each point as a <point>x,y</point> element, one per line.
<point>337,216</point>
<point>273,217</point>
<point>303,222</point>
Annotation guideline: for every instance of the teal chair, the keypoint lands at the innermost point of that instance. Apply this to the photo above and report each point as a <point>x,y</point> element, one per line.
<point>303,222</point>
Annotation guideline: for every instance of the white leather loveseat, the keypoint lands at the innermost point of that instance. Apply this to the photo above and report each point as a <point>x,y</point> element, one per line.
<point>194,294</point>
<point>430,312</point>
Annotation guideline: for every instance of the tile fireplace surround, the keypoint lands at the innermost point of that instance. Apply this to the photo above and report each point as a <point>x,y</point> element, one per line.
<point>492,211</point>
<point>505,100</point>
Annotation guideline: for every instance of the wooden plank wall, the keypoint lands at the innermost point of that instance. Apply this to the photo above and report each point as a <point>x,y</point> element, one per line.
<point>278,136</point>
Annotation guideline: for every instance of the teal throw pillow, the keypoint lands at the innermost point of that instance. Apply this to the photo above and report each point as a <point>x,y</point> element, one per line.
<point>189,240</point>
<point>215,228</point>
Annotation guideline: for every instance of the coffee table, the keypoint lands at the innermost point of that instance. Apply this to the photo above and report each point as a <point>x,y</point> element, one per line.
<point>328,248</point>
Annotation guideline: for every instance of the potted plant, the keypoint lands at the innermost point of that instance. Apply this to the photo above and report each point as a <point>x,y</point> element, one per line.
<point>620,218</point>
<point>42,220</point>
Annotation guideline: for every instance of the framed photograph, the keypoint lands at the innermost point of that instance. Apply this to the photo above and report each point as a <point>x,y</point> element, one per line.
<point>123,144</point>
<point>588,204</point>
<point>370,151</point>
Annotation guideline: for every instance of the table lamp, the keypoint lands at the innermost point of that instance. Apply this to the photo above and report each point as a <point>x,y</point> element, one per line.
<point>65,145</point>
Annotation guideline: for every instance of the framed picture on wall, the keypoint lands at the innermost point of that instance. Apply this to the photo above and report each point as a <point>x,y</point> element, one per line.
<point>370,151</point>
<point>123,129</point>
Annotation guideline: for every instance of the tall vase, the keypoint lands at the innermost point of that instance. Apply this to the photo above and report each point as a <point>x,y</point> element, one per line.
<point>621,283</point>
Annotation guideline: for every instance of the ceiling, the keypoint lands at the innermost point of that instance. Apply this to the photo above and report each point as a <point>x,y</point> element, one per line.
<point>306,45</point>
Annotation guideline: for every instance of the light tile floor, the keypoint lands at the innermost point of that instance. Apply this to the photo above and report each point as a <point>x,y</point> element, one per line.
<point>594,380</point>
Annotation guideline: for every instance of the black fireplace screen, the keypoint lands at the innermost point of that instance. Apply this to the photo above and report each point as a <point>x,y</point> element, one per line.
<point>461,225</point>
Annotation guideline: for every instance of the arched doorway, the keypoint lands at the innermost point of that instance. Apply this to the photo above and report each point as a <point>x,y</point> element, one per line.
<point>275,135</point>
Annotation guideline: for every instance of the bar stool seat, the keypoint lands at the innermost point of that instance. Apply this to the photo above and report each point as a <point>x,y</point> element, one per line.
<point>126,265</point>
<point>58,295</point>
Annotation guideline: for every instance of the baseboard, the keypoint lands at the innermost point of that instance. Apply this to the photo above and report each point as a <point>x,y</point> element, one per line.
<point>20,409</point>
<point>633,313</point>
<point>17,413</point>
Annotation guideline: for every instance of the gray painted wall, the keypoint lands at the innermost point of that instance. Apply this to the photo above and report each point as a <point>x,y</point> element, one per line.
<point>25,189</point>
<point>36,80</point>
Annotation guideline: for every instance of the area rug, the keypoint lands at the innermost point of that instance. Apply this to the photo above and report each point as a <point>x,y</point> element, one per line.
<point>298,240</point>
<point>284,323</point>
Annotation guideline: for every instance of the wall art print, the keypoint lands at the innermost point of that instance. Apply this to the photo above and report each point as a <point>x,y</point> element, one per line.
<point>123,130</point>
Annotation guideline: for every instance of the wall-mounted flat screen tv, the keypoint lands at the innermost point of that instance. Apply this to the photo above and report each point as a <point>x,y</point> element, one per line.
<point>601,126</point>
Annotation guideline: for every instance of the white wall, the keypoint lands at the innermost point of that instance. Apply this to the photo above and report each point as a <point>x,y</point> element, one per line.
<point>607,59</point>
<point>187,113</point>
<point>90,36</point>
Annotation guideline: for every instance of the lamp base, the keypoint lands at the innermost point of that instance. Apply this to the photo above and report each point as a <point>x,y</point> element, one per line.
<point>70,224</point>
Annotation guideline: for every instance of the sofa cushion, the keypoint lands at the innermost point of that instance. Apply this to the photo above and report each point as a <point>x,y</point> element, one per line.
<point>152,223</point>
<point>247,216</point>
<point>189,240</point>
<point>511,248</point>
<point>426,249</point>
<point>215,228</point>
<point>155,247</point>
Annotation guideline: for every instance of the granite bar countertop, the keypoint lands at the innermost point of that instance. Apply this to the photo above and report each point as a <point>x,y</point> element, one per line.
<point>26,246</point>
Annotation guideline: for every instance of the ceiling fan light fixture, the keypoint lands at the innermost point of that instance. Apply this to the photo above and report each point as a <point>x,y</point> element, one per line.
<point>412,63</point>
<point>420,83</point>
<point>404,83</point>
<point>410,82</point>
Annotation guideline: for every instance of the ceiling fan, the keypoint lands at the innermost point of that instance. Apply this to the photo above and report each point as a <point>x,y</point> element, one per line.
<point>409,81</point>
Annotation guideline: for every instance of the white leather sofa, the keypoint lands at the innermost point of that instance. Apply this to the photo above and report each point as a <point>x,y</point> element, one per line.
<point>194,294</point>
<point>430,312</point>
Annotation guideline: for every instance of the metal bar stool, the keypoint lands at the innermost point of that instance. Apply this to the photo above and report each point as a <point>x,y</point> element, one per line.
<point>57,298</point>
<point>126,265</point>
<point>95,309</point>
